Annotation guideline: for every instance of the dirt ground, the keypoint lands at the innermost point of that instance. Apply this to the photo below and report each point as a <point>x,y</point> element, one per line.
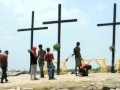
<point>61,81</point>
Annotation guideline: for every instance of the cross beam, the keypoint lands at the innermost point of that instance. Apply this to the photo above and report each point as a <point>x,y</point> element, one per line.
<point>28,29</point>
<point>59,21</point>
<point>32,29</point>
<point>114,33</point>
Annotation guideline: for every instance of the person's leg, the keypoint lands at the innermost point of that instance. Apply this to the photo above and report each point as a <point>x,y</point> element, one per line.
<point>35,71</point>
<point>53,73</point>
<point>39,62</point>
<point>79,67</point>
<point>2,74</point>
<point>84,73</point>
<point>42,66</point>
<point>6,80</point>
<point>76,67</point>
<point>49,71</point>
<point>31,73</point>
<point>53,70</point>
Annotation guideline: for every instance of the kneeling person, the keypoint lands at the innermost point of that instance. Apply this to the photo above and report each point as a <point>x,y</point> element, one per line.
<point>84,69</point>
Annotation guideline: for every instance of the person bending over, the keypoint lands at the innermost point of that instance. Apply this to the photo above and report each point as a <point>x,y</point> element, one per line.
<point>84,69</point>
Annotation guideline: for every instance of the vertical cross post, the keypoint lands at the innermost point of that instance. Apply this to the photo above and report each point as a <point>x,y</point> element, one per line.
<point>59,21</point>
<point>114,35</point>
<point>32,33</point>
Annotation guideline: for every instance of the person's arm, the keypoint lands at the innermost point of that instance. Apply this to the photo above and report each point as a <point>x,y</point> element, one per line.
<point>38,55</point>
<point>74,51</point>
<point>29,51</point>
<point>80,56</point>
<point>45,58</point>
<point>44,52</point>
<point>52,57</point>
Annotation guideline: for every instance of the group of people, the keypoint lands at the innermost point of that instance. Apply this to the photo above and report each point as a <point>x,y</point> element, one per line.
<point>41,58</point>
<point>4,65</point>
<point>47,56</point>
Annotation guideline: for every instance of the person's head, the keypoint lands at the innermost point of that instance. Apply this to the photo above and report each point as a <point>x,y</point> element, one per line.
<point>78,44</point>
<point>40,46</point>
<point>48,49</point>
<point>0,51</point>
<point>6,52</point>
<point>34,48</point>
<point>89,67</point>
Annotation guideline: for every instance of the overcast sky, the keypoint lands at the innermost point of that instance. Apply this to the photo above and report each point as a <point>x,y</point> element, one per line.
<point>95,41</point>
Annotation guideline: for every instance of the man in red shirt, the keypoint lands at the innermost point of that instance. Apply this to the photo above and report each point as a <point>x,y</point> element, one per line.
<point>49,57</point>
<point>4,65</point>
<point>84,69</point>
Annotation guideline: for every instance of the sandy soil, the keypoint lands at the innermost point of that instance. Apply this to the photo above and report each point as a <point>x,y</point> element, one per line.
<point>61,81</point>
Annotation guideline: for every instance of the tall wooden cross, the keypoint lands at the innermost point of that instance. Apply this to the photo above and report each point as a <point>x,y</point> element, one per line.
<point>59,21</point>
<point>114,23</point>
<point>32,29</point>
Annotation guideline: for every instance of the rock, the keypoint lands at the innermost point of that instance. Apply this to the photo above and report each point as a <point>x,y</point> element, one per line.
<point>110,86</point>
<point>99,86</point>
<point>117,88</point>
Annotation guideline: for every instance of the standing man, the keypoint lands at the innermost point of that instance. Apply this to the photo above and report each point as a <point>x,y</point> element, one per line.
<point>4,65</point>
<point>41,54</point>
<point>78,57</point>
<point>49,57</point>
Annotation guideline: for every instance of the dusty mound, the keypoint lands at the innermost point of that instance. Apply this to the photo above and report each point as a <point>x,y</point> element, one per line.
<point>95,81</point>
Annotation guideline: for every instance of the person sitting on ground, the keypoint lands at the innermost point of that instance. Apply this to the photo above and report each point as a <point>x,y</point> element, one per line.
<point>84,69</point>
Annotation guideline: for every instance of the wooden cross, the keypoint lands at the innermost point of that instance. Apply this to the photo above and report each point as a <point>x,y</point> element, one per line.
<point>32,29</point>
<point>114,32</point>
<point>59,21</point>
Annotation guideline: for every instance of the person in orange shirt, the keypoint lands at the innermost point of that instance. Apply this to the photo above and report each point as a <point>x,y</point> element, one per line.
<point>49,57</point>
<point>4,65</point>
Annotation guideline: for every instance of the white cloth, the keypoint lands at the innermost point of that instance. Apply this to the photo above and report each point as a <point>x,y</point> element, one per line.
<point>33,71</point>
